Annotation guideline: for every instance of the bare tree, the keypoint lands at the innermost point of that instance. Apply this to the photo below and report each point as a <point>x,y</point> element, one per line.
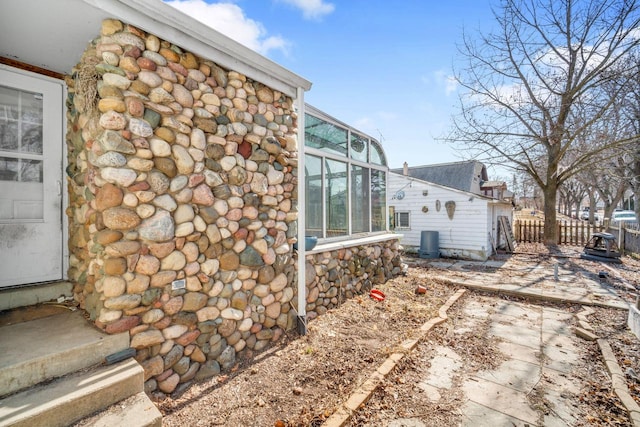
<point>631,156</point>
<point>573,192</point>
<point>610,183</point>
<point>533,88</point>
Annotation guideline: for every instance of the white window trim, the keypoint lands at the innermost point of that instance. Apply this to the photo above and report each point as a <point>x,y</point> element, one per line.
<point>396,219</point>
<point>323,155</point>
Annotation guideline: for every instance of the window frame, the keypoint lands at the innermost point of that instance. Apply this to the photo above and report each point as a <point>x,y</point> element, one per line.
<point>396,220</point>
<point>324,156</point>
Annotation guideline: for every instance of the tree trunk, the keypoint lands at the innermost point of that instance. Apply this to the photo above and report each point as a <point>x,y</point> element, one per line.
<point>592,207</point>
<point>550,228</point>
<point>550,192</point>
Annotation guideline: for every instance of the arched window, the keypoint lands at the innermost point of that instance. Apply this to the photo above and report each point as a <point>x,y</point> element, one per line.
<point>345,179</point>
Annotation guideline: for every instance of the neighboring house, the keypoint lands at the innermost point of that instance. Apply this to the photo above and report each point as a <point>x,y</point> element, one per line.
<point>149,169</point>
<point>466,175</point>
<point>495,190</point>
<point>467,223</point>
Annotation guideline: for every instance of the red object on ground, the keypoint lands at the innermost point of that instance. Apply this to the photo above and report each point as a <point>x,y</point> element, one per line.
<point>377,295</point>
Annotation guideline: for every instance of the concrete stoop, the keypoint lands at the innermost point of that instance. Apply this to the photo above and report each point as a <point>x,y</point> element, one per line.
<point>137,410</point>
<point>52,373</point>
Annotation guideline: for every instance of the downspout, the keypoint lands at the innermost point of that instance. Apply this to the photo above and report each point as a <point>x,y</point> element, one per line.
<point>302,294</point>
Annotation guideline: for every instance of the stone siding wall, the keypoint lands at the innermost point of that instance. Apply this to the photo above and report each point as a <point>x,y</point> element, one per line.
<point>334,276</point>
<point>182,211</point>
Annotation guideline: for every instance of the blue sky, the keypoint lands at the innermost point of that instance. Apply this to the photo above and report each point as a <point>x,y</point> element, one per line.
<point>383,67</point>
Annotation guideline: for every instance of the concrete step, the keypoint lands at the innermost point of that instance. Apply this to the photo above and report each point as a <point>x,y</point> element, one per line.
<point>31,295</point>
<point>65,400</point>
<point>38,350</point>
<point>137,410</point>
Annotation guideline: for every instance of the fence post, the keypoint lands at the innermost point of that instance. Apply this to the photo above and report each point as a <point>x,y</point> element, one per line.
<point>573,232</point>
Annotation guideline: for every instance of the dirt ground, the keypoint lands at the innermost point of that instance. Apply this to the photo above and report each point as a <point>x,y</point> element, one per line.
<point>302,379</point>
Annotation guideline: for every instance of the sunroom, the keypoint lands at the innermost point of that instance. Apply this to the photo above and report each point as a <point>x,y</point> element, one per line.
<point>345,184</point>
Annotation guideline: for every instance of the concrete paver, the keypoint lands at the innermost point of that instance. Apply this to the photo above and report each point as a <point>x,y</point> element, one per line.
<point>442,368</point>
<point>500,398</point>
<point>475,415</point>
<point>508,309</point>
<point>519,352</point>
<point>557,386</point>
<point>516,334</point>
<point>513,373</point>
<point>560,359</point>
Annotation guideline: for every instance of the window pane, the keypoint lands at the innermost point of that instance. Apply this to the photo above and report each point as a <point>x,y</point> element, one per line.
<point>21,170</point>
<point>20,121</point>
<point>336,198</point>
<point>31,107</point>
<point>313,199</point>
<point>325,136</point>
<point>359,147</point>
<point>402,220</point>
<point>359,199</point>
<point>377,154</point>
<point>378,200</point>
<point>8,134</point>
<point>21,159</point>
<point>31,138</point>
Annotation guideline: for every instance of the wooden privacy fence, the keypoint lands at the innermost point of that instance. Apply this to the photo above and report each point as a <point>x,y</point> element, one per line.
<point>569,232</point>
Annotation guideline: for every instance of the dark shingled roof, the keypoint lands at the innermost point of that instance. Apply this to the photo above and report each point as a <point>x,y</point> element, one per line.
<point>465,176</point>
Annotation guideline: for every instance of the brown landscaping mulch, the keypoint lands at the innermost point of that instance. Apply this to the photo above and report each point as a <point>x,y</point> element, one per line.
<point>304,379</point>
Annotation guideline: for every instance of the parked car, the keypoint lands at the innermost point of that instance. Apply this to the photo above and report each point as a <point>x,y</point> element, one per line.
<point>584,215</point>
<point>629,217</point>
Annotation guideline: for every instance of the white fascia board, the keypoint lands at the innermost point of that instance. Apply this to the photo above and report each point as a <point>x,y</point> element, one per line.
<point>169,23</point>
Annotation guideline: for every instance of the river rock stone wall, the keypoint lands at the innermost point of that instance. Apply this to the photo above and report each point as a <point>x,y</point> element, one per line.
<point>182,208</point>
<point>334,276</point>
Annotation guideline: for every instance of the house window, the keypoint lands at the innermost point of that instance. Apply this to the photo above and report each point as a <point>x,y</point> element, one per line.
<point>401,220</point>
<point>345,179</point>
<point>360,210</point>
<point>21,154</point>
<point>336,199</point>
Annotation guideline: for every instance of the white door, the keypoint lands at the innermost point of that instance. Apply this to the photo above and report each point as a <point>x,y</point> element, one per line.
<point>31,141</point>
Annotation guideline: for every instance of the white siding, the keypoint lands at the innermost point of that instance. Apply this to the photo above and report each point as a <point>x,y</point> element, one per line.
<point>465,236</point>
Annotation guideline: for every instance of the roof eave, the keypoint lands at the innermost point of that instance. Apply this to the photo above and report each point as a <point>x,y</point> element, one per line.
<point>176,27</point>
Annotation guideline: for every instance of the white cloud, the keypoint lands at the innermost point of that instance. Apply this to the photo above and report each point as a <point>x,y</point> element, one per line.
<point>230,20</point>
<point>311,9</point>
<point>451,85</point>
<point>442,79</point>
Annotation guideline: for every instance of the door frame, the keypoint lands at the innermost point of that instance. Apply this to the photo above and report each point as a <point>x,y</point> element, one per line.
<point>64,203</point>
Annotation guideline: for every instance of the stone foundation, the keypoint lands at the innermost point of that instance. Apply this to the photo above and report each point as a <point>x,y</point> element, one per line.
<point>336,275</point>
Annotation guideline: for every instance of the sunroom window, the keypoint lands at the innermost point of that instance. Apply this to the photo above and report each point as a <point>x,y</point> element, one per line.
<point>345,179</point>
